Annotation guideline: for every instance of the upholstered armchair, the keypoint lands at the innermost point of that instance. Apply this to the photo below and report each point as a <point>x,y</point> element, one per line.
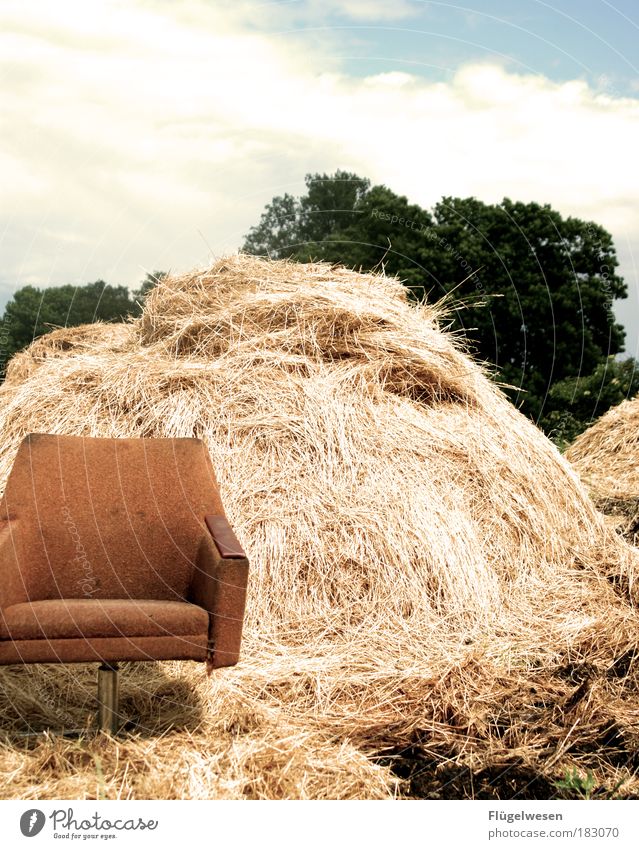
<point>117,550</point>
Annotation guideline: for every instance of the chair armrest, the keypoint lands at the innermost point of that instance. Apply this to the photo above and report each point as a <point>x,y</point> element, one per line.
<point>219,586</point>
<point>13,577</point>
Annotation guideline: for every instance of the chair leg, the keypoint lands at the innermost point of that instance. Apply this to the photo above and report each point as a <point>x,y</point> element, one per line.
<point>108,697</point>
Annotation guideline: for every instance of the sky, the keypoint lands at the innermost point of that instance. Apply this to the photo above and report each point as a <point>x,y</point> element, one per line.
<point>150,134</point>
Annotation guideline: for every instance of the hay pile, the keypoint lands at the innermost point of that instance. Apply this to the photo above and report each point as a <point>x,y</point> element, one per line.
<point>606,456</point>
<point>427,572</point>
<point>66,341</point>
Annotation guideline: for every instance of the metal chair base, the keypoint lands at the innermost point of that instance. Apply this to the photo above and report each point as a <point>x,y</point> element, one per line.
<point>109,719</point>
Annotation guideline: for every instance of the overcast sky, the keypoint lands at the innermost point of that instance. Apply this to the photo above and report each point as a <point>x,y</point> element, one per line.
<point>149,134</point>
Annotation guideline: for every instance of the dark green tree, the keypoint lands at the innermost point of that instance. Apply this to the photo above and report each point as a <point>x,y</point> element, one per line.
<point>549,285</point>
<point>32,312</point>
<point>385,231</point>
<point>296,227</point>
<point>574,403</point>
<point>151,279</point>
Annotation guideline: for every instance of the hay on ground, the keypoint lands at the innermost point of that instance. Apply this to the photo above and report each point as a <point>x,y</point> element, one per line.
<point>427,570</point>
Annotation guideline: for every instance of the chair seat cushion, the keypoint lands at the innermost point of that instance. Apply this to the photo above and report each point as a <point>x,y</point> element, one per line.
<point>101,649</point>
<point>76,618</point>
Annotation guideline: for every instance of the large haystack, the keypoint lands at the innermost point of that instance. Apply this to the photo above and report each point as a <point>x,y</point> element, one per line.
<point>606,456</point>
<point>427,571</point>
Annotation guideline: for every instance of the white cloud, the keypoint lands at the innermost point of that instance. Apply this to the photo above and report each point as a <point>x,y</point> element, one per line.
<point>136,134</point>
<point>366,10</point>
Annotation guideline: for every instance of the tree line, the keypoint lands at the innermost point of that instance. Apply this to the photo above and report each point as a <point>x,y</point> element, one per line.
<point>531,291</point>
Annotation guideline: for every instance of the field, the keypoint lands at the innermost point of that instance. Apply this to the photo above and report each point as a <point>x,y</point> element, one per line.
<point>436,607</point>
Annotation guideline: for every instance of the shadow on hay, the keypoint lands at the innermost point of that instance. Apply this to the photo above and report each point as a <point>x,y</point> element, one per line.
<point>428,778</point>
<point>61,699</point>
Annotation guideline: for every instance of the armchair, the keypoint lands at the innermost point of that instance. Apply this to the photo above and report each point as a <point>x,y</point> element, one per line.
<point>117,550</point>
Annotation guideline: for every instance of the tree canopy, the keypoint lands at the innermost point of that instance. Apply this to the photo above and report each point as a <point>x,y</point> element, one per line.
<point>298,226</point>
<point>575,402</point>
<point>151,279</point>
<point>531,290</point>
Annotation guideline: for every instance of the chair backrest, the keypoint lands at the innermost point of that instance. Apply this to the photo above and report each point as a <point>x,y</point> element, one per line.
<point>109,518</point>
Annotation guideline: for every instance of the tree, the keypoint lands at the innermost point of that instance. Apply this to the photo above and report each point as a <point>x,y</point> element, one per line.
<point>532,291</point>
<point>574,403</point>
<point>549,282</point>
<point>151,279</point>
<point>31,312</point>
<point>296,227</point>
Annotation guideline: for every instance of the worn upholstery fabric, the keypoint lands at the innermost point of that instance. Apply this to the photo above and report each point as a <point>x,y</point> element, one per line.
<point>69,618</point>
<point>108,518</point>
<point>104,649</point>
<point>105,554</point>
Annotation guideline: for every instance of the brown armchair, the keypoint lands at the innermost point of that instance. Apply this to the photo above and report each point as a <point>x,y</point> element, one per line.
<point>115,550</point>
